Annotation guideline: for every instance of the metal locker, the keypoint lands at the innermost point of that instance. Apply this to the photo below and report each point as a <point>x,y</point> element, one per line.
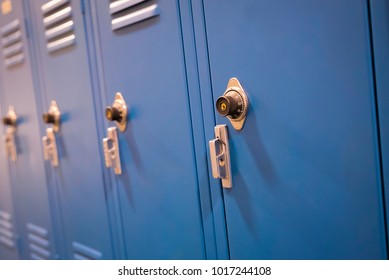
<point>161,180</point>
<point>71,143</point>
<point>9,246</point>
<point>305,166</point>
<point>380,28</point>
<point>21,137</point>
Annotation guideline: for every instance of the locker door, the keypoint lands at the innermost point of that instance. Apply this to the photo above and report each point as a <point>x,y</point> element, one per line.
<point>380,29</point>
<point>9,248</point>
<point>28,175</point>
<point>140,51</point>
<point>305,166</point>
<point>60,43</point>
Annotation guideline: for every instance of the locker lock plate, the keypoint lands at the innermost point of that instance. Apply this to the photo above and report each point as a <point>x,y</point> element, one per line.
<point>117,112</point>
<point>233,104</point>
<point>53,116</point>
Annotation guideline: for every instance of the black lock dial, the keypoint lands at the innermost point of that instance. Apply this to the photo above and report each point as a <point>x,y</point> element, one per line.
<point>8,121</point>
<point>230,104</point>
<point>49,118</point>
<point>113,114</point>
<point>117,112</point>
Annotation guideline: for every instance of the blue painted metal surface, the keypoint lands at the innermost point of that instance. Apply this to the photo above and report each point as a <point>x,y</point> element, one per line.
<point>306,164</point>
<point>65,77</point>
<point>28,176</point>
<point>9,248</point>
<point>380,32</point>
<point>159,188</point>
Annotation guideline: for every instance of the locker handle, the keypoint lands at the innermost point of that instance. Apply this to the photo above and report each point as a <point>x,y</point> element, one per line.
<point>10,120</point>
<point>111,150</point>
<point>220,156</point>
<point>10,146</point>
<point>53,117</point>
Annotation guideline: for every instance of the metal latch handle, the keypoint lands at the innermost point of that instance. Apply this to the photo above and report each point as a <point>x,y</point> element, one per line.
<point>111,150</point>
<point>9,142</point>
<point>50,151</point>
<point>220,156</point>
<point>10,120</point>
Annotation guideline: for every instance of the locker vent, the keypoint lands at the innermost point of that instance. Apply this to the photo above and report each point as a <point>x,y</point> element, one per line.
<point>11,41</point>
<point>59,25</point>
<point>7,236</point>
<point>82,252</point>
<point>127,12</point>
<point>38,242</point>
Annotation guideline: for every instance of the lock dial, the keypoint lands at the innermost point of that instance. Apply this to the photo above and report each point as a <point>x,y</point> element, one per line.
<point>233,104</point>
<point>117,112</point>
<point>53,116</point>
<point>10,118</point>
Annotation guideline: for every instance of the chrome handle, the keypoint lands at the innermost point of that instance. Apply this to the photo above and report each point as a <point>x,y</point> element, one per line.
<point>10,120</point>
<point>50,151</point>
<point>111,150</point>
<point>10,146</point>
<point>214,164</point>
<point>108,163</point>
<point>45,143</point>
<point>220,156</point>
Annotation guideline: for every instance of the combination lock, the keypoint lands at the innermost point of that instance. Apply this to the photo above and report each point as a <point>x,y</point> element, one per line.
<point>233,104</point>
<point>10,118</point>
<point>117,112</point>
<point>53,116</point>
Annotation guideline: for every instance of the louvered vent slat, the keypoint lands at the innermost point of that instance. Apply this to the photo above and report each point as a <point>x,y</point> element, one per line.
<point>52,5</point>
<point>7,235</point>
<point>59,24</point>
<point>10,27</point>
<point>38,242</point>
<point>121,5</point>
<point>82,252</point>
<point>60,29</point>
<point>57,17</point>
<point>13,49</point>
<point>11,41</point>
<point>127,12</point>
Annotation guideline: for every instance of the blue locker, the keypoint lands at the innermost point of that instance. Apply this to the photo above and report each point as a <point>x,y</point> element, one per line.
<point>163,185</point>
<point>305,166</point>
<point>9,245</point>
<point>380,30</point>
<point>60,44</point>
<point>27,170</point>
